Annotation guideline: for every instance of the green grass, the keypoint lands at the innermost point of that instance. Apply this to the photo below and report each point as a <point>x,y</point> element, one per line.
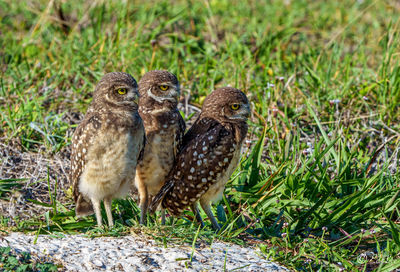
<point>320,184</point>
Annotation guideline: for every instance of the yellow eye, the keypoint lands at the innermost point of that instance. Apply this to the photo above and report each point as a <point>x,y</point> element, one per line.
<point>122,91</point>
<point>164,87</point>
<point>235,106</point>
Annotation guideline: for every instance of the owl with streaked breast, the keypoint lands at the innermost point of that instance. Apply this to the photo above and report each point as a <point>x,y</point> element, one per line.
<point>210,153</point>
<point>106,146</point>
<point>164,126</point>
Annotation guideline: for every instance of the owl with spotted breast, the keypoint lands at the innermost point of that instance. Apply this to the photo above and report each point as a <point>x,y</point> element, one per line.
<point>210,153</point>
<point>164,126</point>
<point>106,146</point>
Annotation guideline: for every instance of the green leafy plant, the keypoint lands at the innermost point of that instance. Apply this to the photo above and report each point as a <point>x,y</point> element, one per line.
<point>12,261</point>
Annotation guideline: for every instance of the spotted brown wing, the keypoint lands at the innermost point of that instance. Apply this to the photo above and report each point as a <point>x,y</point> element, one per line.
<point>179,135</point>
<point>81,141</point>
<point>207,151</point>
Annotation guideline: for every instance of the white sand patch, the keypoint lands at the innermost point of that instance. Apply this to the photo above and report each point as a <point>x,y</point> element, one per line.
<point>79,253</point>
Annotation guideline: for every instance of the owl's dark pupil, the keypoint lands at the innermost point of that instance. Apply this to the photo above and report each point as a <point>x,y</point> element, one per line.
<point>122,91</point>
<point>164,87</point>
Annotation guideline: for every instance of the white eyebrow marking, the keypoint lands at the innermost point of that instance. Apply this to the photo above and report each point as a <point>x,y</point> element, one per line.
<point>157,98</point>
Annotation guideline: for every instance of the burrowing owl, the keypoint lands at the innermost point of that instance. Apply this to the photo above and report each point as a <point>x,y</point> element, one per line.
<point>106,146</point>
<point>210,153</point>
<point>159,94</point>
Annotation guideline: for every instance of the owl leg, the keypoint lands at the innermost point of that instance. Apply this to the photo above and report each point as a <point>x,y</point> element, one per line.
<point>207,208</point>
<point>107,206</point>
<point>97,211</point>
<point>162,216</point>
<point>143,205</point>
<point>196,213</point>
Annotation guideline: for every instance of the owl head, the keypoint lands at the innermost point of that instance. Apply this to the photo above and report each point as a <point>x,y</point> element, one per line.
<point>116,91</point>
<point>227,105</point>
<point>159,88</point>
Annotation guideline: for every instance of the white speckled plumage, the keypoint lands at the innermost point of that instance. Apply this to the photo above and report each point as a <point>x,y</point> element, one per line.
<point>164,131</point>
<point>210,153</point>
<point>106,146</point>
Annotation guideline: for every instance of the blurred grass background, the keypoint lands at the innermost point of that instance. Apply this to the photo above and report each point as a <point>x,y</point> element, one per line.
<point>319,182</point>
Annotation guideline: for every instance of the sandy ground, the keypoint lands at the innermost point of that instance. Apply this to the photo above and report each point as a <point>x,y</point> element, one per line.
<point>128,253</point>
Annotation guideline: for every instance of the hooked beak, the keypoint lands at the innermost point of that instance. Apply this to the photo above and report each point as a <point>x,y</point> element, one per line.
<point>246,111</point>
<point>243,113</point>
<point>175,94</point>
<point>136,99</point>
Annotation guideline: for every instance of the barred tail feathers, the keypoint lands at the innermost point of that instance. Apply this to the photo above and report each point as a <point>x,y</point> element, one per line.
<point>159,197</point>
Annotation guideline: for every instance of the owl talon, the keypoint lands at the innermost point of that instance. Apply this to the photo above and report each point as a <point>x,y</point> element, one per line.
<point>217,227</point>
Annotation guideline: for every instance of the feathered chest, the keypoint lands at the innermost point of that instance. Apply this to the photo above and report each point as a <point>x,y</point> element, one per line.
<point>164,131</point>
<point>163,139</point>
<point>162,142</point>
